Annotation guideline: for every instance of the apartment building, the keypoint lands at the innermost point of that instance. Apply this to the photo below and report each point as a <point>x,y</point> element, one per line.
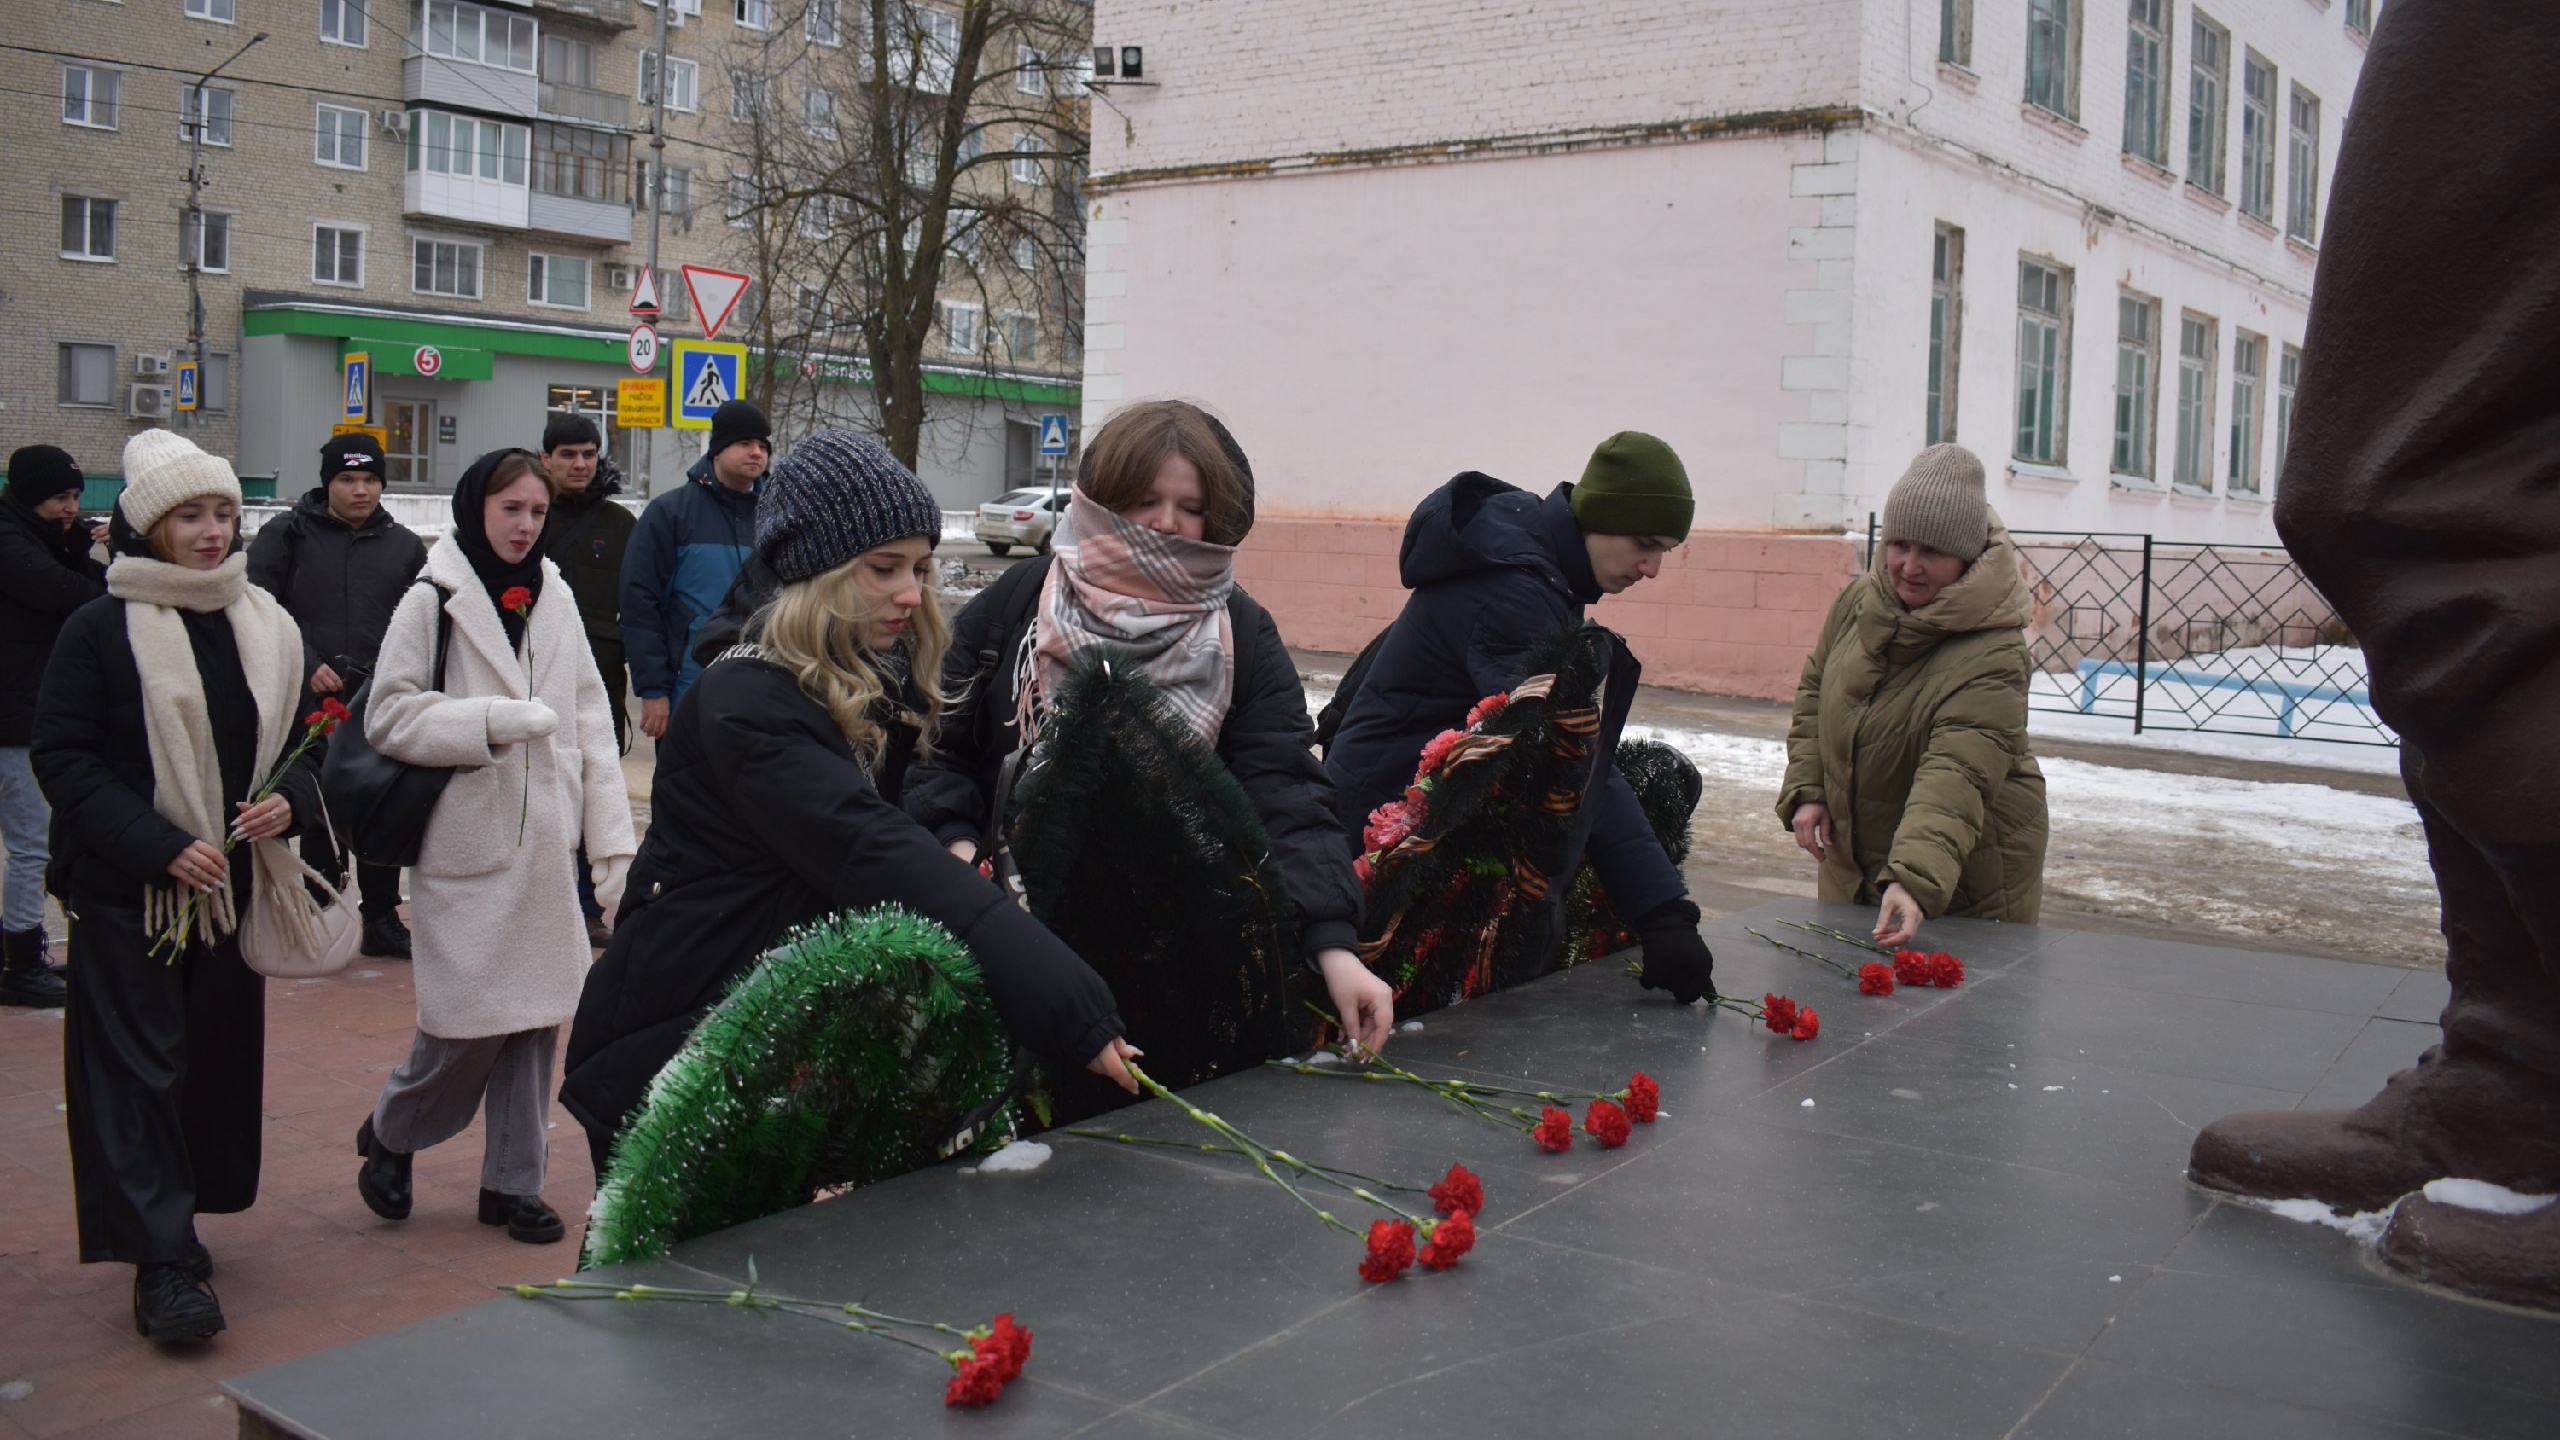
<point>458,190</point>
<point>1801,239</point>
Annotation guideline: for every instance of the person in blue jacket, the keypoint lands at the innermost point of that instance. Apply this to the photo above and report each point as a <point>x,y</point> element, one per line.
<point>685,553</point>
<point>1494,570</point>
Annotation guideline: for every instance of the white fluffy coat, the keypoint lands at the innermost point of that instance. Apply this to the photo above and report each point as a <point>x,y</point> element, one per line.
<point>501,945</point>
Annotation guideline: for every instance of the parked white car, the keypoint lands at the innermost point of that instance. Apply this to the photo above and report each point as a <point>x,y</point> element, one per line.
<point>1021,517</point>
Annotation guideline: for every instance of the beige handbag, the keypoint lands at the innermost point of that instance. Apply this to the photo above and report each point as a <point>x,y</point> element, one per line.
<point>341,927</point>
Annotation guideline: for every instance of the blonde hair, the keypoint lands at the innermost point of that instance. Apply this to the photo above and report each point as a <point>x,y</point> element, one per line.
<point>813,628</point>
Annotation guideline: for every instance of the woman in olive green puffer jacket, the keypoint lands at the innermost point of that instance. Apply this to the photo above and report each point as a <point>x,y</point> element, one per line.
<point>1908,770</point>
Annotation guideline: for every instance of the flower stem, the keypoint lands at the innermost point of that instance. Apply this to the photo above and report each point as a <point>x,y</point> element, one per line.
<point>1330,1172</point>
<point>1800,950</point>
<point>1843,936</point>
<point>1254,1149</point>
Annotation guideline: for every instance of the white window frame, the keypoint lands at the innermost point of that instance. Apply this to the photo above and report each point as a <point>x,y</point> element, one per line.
<point>2193,469</point>
<point>2149,92</point>
<point>2208,101</point>
<point>66,374</point>
<point>2053,32</point>
<point>198,106</point>
<point>191,240</point>
<point>2248,409</point>
<point>88,252</point>
<point>752,14</point>
<point>330,122</point>
<point>933,61</point>
<point>2258,137</point>
<point>2288,381</point>
<point>2137,397</point>
<point>685,94</point>
<point>339,227</point>
<point>514,150</point>
<point>1027,150</point>
<point>2043,432</point>
<point>1016,322</point>
<point>952,332</point>
<point>2302,156</point>
<point>750,95</point>
<point>539,268</point>
<point>741,202</point>
<point>1946,330</point>
<point>1955,33</point>
<point>348,10</point>
<point>1030,70</point>
<point>1026,253</point>
<point>89,103</point>
<point>2360,17</point>
<point>817,217</point>
<point>822,22</point>
<point>479,266</point>
<point>220,12</point>
<point>480,19</point>
<point>818,111</point>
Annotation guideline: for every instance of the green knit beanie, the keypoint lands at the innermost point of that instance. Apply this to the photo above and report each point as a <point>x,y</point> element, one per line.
<point>1634,485</point>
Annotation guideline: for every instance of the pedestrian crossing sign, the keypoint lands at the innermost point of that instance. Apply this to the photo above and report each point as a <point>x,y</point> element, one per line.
<point>708,373</point>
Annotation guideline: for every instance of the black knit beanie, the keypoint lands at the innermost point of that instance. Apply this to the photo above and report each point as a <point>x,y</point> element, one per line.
<point>37,473</point>
<point>738,420</point>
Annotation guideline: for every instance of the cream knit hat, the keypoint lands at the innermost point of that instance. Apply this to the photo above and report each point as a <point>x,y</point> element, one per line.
<point>164,470</point>
<point>1939,503</point>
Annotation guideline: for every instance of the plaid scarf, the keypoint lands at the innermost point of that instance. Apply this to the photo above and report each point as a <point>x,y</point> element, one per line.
<point>1121,591</point>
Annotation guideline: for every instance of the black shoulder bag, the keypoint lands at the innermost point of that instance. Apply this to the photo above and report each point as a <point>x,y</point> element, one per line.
<point>383,805</point>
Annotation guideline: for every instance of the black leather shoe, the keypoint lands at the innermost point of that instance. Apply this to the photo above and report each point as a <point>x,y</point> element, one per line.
<point>199,1261</point>
<point>384,1179</point>
<point>525,1216</point>
<point>170,1304</point>
<point>385,938</point>
<point>24,977</point>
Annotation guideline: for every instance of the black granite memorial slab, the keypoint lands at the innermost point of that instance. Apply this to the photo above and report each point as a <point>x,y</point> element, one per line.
<point>1978,1227</point>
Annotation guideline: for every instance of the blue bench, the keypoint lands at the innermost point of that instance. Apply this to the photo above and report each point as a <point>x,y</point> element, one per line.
<point>2289,692</point>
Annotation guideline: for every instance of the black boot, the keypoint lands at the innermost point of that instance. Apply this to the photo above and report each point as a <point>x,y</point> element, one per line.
<point>525,1216</point>
<point>385,938</point>
<point>24,977</point>
<point>384,1179</point>
<point>170,1304</point>
<point>199,1261</point>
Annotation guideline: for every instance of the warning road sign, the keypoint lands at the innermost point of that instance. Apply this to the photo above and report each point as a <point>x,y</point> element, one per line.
<point>644,296</point>
<point>707,377</point>
<point>1053,433</point>
<point>640,402</point>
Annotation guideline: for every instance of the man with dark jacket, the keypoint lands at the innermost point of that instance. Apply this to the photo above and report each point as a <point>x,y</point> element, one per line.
<point>339,564</point>
<point>1494,570</point>
<point>45,574</point>
<point>683,555</point>
<point>586,537</point>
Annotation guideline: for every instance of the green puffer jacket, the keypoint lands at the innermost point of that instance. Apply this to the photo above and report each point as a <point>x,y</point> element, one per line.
<point>1911,725</point>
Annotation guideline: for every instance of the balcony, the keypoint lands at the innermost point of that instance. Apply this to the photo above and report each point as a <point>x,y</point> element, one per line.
<point>462,85</point>
<point>603,14</point>
<point>594,220</point>
<point>590,107</point>
<point>468,199</point>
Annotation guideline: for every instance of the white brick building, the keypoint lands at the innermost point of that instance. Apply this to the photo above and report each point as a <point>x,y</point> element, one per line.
<point>1798,238</point>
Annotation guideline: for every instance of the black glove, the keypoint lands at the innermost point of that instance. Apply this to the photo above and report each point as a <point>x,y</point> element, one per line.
<point>1675,958</point>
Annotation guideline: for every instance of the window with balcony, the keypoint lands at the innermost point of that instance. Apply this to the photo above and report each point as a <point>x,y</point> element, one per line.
<point>1946,315</point>
<point>204,240</point>
<point>2137,365</point>
<point>2194,468</point>
<point>557,280</point>
<point>2302,195</point>
<point>684,82</point>
<point>2044,361</point>
<point>2208,101</point>
<point>2248,368</point>
<point>91,96</point>
<point>2257,137</point>
<point>338,137</point>
<point>456,30</point>
<point>446,267</point>
<point>88,228</point>
<point>2053,56</point>
<point>580,163</point>
<point>337,254</point>
<point>567,60</point>
<point>344,22</point>
<point>2146,81</point>
<point>208,110</point>
<point>467,147</point>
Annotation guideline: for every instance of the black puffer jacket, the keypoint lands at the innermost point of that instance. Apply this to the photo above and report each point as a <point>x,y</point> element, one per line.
<point>1267,744</point>
<point>763,819</point>
<point>1493,570</point>
<point>586,537</point>
<point>339,582</point>
<point>45,574</point>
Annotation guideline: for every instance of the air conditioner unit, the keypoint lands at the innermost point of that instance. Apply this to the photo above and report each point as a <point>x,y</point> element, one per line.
<point>395,121</point>
<point>150,402</point>
<point>150,364</point>
<point>617,277</point>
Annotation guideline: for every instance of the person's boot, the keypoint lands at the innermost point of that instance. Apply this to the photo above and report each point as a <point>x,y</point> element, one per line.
<point>24,977</point>
<point>385,938</point>
<point>170,1304</point>
<point>384,1179</point>
<point>526,1217</point>
<point>2514,1258</point>
<point>2462,1119</point>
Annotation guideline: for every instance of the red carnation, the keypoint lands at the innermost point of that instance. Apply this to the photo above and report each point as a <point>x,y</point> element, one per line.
<point>316,717</point>
<point>980,1381</point>
<point>1390,1250</point>
<point>1388,824</point>
<point>1460,1189</point>
<point>518,599</point>
<point>1644,1098</point>
<point>1808,1023</point>
<point>1945,971</point>
<point>1360,866</point>
<point>1417,800</point>
<point>1607,1123</point>
<point>1438,750</point>
<point>1555,1129</point>
<point>1488,707</point>
<point>1450,1239</point>
<point>1006,1344</point>
<point>1779,1012</point>
<point>1911,967</point>
<point>336,709</point>
<point>1875,978</point>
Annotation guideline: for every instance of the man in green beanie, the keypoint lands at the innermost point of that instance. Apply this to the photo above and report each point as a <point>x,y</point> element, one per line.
<point>1494,571</point>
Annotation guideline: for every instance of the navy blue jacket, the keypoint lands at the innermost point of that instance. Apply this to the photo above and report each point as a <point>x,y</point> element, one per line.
<point>1493,570</point>
<point>683,555</point>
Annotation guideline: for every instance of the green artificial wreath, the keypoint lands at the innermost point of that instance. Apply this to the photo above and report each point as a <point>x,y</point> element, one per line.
<point>860,1048</point>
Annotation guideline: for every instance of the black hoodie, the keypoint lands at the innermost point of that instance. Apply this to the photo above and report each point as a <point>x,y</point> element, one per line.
<point>339,582</point>
<point>45,574</point>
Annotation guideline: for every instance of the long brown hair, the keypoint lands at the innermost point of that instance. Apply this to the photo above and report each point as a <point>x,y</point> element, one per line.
<point>1122,460</point>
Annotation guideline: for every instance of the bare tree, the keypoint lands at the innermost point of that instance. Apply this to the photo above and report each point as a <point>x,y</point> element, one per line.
<point>907,188</point>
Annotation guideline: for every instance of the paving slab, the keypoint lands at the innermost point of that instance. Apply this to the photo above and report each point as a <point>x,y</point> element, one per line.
<point>1959,1212</point>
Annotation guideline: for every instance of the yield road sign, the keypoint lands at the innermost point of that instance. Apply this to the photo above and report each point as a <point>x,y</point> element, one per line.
<point>428,360</point>
<point>644,348</point>
<point>359,404</point>
<point>715,293</point>
<point>644,296</point>
<point>707,377</point>
<point>186,385</point>
<point>1053,433</point>
<point>640,402</point>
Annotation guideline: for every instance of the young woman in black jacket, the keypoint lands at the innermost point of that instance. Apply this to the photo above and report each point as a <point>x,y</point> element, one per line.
<point>165,704</point>
<point>1143,575</point>
<point>775,801</point>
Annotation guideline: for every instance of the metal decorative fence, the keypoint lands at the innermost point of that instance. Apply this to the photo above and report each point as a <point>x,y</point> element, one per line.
<point>2223,639</point>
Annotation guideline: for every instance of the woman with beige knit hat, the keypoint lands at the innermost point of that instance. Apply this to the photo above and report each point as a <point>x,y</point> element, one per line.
<point>165,702</point>
<point>1908,771</point>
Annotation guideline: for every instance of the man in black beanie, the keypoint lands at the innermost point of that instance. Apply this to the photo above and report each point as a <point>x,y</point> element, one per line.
<point>684,554</point>
<point>45,574</point>
<point>339,564</point>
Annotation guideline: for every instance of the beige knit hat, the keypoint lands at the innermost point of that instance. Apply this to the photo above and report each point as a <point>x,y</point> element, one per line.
<point>164,470</point>
<point>1939,503</point>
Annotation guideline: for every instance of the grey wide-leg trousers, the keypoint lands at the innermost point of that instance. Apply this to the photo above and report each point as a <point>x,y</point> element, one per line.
<point>434,1093</point>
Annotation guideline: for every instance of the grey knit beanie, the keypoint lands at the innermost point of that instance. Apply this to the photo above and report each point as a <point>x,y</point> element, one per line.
<point>834,496</point>
<point>1939,503</point>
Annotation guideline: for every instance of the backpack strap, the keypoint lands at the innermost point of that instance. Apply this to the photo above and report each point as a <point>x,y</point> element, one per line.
<point>444,630</point>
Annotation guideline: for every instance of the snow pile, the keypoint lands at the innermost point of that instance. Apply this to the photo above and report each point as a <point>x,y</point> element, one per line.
<point>1020,1155</point>
<point>2481,1195</point>
<point>2365,1227</point>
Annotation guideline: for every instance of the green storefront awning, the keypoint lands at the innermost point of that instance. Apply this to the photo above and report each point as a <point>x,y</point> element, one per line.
<point>397,357</point>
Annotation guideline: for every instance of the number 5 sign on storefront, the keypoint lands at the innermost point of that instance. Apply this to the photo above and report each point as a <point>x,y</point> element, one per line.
<point>707,377</point>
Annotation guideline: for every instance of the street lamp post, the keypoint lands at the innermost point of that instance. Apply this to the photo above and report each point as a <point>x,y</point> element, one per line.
<point>192,226</point>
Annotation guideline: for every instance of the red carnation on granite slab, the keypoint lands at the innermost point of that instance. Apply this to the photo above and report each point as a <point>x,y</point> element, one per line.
<point>1390,1250</point>
<point>1875,978</point>
<point>1450,1239</point>
<point>1555,1129</point>
<point>1644,1098</point>
<point>1460,1189</point>
<point>1607,1123</point>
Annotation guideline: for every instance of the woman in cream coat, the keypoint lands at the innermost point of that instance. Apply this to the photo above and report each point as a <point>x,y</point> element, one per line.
<point>501,944</point>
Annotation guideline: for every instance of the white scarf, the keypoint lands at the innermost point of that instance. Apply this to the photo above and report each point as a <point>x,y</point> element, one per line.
<point>186,766</point>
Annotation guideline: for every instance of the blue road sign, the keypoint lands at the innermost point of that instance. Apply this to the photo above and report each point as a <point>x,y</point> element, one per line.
<point>186,385</point>
<point>1053,433</point>
<point>359,406</point>
<point>707,376</point>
